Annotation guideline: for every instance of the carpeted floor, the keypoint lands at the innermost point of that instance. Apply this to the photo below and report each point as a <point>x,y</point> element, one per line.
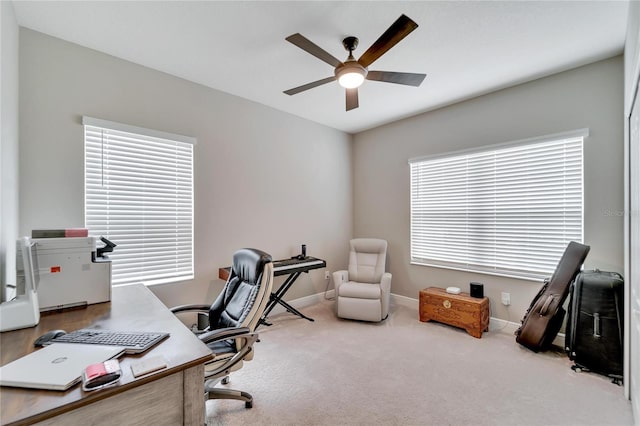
<point>405,372</point>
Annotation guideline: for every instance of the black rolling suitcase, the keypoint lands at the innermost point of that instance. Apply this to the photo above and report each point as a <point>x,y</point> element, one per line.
<point>595,323</point>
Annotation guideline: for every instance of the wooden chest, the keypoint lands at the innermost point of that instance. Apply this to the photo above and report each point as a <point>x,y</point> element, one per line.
<point>459,310</point>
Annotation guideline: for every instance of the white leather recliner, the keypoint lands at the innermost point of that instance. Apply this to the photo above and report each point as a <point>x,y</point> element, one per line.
<point>362,292</point>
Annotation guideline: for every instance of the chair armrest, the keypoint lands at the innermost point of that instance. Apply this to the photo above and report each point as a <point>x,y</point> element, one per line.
<point>224,334</point>
<point>187,308</point>
<point>242,334</point>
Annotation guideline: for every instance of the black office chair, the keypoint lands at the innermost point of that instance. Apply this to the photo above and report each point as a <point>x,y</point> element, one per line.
<point>232,319</point>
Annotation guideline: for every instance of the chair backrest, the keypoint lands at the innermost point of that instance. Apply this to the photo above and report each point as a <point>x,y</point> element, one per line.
<point>245,295</point>
<point>367,260</point>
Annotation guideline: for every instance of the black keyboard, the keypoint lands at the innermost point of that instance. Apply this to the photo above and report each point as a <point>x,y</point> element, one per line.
<point>134,342</point>
<point>290,266</point>
<point>279,265</point>
<point>287,262</point>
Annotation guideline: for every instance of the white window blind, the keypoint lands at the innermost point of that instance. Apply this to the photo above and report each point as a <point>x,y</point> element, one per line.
<point>508,210</point>
<point>139,195</point>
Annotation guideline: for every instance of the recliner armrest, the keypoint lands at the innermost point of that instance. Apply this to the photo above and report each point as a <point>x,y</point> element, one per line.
<point>385,282</point>
<point>339,277</point>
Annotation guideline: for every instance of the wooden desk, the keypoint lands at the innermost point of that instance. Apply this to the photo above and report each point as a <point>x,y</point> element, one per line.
<point>171,396</point>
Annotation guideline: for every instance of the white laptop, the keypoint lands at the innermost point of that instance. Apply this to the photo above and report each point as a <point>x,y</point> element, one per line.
<point>57,366</point>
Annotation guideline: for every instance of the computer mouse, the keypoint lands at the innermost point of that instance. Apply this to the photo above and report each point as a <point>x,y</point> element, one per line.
<point>47,337</point>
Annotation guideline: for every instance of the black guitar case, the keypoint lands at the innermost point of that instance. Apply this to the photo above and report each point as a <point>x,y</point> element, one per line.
<point>543,319</point>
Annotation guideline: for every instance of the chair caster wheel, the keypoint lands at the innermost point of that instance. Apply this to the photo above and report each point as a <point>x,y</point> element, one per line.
<point>248,404</point>
<point>225,380</point>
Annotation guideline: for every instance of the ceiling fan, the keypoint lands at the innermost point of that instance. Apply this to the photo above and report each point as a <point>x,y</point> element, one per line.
<point>352,73</point>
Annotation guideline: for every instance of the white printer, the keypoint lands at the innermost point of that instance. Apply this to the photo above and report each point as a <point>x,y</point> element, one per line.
<point>73,272</point>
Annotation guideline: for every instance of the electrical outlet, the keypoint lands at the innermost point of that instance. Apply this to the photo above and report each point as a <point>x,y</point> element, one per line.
<point>506,299</point>
<point>327,275</point>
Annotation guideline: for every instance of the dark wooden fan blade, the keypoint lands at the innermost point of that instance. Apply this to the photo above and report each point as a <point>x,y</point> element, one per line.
<point>307,45</point>
<point>309,86</point>
<point>352,98</point>
<point>406,78</point>
<point>396,32</point>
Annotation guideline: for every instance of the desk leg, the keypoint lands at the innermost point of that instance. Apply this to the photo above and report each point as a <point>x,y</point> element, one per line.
<point>194,405</point>
<point>276,297</point>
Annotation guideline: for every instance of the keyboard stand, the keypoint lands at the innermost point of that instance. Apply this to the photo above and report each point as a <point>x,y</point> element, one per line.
<point>276,298</point>
<point>291,267</point>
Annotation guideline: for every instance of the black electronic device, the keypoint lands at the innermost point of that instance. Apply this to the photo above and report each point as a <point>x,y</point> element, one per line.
<point>476,290</point>
<point>303,253</point>
<point>47,337</point>
<point>108,247</point>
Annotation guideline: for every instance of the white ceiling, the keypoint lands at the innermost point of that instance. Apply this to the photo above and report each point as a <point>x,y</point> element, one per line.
<point>466,48</point>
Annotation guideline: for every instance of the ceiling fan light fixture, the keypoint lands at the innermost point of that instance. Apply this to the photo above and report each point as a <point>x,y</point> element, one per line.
<point>351,80</point>
<point>351,75</point>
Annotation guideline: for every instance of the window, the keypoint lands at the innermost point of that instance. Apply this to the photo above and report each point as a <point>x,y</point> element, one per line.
<point>139,195</point>
<point>506,210</point>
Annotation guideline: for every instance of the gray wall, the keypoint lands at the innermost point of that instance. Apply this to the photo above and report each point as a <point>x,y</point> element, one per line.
<point>299,177</point>
<point>263,178</point>
<point>590,96</point>
<point>8,145</point>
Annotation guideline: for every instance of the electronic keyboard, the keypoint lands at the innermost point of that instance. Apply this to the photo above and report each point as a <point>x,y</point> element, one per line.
<point>290,266</point>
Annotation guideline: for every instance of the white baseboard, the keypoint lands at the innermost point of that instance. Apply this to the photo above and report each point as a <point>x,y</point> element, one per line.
<point>409,302</point>
<point>302,302</point>
<point>495,324</point>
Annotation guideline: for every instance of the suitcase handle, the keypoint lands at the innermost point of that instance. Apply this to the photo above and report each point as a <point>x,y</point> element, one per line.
<point>545,307</point>
<point>596,325</point>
